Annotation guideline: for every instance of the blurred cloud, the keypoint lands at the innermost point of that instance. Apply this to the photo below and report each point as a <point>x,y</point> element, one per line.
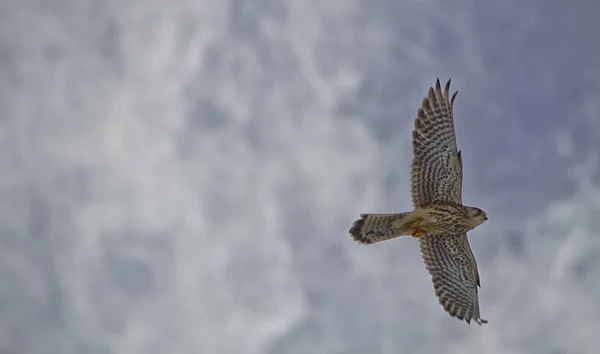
<point>181,177</point>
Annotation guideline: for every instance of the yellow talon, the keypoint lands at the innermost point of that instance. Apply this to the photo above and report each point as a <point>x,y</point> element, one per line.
<point>414,224</point>
<point>418,234</point>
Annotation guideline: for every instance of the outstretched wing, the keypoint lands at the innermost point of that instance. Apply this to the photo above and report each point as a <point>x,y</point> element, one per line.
<point>453,270</point>
<point>436,171</point>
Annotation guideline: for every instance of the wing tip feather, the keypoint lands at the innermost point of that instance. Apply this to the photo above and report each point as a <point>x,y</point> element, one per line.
<point>467,318</point>
<point>446,92</point>
<point>453,98</point>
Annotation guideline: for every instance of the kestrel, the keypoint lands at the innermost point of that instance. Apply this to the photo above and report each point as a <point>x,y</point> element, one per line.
<point>439,220</point>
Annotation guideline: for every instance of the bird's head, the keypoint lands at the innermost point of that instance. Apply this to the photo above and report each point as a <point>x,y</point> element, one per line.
<point>477,215</point>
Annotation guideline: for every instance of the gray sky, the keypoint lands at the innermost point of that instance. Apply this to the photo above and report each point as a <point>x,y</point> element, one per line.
<point>179,177</point>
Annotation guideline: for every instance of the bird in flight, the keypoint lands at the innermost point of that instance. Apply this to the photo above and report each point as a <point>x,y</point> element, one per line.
<point>439,220</point>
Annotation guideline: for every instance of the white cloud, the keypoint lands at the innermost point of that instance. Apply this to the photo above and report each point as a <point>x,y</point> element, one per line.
<point>199,185</point>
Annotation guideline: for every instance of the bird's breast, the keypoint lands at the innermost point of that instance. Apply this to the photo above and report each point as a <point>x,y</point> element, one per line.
<point>444,219</point>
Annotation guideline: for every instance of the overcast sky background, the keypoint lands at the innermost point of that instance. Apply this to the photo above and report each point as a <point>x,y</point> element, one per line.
<point>179,176</point>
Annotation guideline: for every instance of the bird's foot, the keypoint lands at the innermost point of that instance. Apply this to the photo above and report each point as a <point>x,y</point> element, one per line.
<point>414,224</point>
<point>418,234</point>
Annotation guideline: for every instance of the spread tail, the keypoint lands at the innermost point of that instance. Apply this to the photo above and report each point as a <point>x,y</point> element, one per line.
<point>371,228</point>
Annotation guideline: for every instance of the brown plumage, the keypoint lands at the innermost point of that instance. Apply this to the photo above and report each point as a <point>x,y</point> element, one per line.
<point>440,220</point>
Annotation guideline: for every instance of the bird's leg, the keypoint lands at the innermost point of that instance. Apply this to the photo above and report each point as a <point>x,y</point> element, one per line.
<point>415,225</point>
<point>418,234</point>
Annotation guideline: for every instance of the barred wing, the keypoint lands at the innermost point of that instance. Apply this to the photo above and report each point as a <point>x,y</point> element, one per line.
<point>454,274</point>
<point>436,171</point>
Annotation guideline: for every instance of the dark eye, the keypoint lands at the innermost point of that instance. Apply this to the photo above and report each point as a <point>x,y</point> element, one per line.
<point>478,211</point>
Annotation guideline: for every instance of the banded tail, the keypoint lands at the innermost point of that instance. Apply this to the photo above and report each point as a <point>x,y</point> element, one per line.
<point>371,228</point>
